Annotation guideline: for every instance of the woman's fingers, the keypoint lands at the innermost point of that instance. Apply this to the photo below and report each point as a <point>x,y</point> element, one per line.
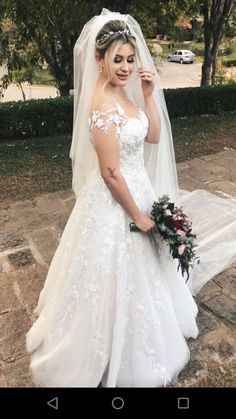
<point>146,72</point>
<point>153,229</point>
<point>146,75</point>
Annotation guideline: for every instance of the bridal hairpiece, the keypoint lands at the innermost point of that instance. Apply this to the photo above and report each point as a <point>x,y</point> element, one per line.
<point>108,34</point>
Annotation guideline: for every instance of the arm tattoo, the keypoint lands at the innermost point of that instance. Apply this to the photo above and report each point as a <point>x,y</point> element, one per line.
<point>111,171</point>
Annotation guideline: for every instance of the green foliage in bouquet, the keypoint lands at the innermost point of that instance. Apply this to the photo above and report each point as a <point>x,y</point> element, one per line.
<point>176,230</point>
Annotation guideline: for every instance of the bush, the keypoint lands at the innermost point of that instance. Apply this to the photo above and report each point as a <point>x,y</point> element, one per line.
<point>201,100</point>
<point>229,63</point>
<point>44,117</point>
<point>35,117</point>
<point>225,49</point>
<point>198,51</point>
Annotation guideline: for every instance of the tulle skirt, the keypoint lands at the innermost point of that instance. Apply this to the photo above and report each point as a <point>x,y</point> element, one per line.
<point>113,308</point>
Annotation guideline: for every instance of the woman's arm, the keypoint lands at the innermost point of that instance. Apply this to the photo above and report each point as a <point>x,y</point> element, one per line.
<point>148,85</point>
<point>153,134</point>
<point>107,148</point>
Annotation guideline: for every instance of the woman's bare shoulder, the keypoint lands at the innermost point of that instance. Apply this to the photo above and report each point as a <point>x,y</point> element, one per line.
<point>101,102</point>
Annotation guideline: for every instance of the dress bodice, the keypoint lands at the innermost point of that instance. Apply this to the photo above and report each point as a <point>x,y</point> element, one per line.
<point>129,131</point>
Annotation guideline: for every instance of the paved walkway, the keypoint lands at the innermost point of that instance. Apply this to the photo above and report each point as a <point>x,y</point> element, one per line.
<point>31,231</point>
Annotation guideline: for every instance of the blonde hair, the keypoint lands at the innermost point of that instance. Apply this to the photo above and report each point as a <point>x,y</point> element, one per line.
<point>108,41</point>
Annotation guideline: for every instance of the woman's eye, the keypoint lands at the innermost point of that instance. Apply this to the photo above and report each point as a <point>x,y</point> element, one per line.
<point>118,60</point>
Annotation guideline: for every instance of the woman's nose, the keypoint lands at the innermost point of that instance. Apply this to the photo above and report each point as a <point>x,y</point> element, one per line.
<point>125,67</point>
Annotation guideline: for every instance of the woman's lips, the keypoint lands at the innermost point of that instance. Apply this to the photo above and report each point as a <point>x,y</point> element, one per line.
<point>122,77</point>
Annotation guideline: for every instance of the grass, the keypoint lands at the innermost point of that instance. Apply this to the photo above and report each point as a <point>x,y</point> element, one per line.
<point>33,166</point>
<point>43,77</point>
<point>201,135</point>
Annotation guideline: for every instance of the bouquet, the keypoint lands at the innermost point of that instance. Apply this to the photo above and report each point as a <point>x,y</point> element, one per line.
<point>176,230</point>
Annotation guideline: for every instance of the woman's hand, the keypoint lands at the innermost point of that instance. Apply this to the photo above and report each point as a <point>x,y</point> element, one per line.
<point>148,81</point>
<point>145,224</point>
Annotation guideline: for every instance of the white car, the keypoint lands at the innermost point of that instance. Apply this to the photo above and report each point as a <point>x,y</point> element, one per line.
<point>182,56</point>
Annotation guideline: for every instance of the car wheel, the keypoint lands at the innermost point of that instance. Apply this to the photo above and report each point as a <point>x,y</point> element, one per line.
<point>181,61</point>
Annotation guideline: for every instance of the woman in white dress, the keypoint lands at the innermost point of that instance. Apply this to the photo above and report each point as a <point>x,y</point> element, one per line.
<point>114,308</point>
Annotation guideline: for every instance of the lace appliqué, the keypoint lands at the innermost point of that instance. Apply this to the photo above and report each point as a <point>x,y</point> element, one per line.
<point>104,120</point>
<point>100,260</point>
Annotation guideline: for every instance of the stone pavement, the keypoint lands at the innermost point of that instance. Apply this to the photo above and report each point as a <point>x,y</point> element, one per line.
<point>30,233</point>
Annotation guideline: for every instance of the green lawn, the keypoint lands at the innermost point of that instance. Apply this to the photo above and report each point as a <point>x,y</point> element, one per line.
<point>43,77</point>
<point>200,135</point>
<point>34,166</point>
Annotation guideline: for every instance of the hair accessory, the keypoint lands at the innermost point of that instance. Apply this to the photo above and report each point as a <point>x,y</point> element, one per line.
<point>108,34</point>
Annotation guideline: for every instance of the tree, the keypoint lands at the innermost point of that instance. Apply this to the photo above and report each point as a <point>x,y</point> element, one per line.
<point>21,61</point>
<point>216,15</point>
<point>54,26</point>
<point>158,15</point>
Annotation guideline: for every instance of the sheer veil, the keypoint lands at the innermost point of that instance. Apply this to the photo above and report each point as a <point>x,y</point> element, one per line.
<point>214,218</point>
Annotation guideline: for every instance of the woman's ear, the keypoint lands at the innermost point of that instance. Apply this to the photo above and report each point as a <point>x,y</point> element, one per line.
<point>100,62</point>
<point>98,58</point>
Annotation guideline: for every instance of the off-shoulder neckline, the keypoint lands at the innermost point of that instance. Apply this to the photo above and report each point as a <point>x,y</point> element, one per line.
<point>117,106</point>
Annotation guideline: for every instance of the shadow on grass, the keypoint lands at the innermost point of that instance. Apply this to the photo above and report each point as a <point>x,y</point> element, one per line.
<point>34,166</point>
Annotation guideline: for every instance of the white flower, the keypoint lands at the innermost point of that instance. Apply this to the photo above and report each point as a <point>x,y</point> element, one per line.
<point>99,123</point>
<point>116,119</point>
<point>94,116</point>
<point>181,249</point>
<point>167,212</point>
<point>181,233</point>
<point>120,110</point>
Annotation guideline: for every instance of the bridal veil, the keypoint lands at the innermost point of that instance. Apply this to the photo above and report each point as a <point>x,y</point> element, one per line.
<point>214,218</point>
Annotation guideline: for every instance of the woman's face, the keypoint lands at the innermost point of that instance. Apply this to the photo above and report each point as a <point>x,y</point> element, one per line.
<point>123,65</point>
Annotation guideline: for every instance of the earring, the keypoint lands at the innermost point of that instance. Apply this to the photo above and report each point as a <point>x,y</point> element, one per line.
<point>100,69</point>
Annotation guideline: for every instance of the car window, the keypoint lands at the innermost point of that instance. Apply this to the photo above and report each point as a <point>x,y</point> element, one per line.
<point>180,53</point>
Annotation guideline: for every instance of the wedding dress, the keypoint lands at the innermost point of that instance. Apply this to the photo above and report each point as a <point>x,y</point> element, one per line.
<point>114,308</point>
<point>118,310</point>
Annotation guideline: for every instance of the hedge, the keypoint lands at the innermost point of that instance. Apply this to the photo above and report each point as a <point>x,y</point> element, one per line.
<point>201,100</point>
<point>43,117</point>
<point>36,117</point>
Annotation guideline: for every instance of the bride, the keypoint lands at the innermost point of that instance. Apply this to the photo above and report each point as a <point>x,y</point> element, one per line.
<point>114,308</point>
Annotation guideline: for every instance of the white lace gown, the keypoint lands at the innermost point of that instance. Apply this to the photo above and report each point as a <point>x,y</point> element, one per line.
<point>113,308</point>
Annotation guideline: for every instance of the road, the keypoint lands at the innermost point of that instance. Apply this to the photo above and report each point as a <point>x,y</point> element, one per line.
<point>13,93</point>
<point>31,92</point>
<point>172,75</point>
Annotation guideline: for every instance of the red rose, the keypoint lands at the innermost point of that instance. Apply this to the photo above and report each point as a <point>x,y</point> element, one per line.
<point>178,224</point>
